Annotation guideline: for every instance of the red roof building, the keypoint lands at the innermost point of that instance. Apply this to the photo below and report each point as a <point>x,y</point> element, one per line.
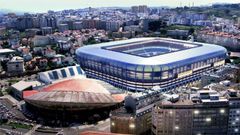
<point>74,94</point>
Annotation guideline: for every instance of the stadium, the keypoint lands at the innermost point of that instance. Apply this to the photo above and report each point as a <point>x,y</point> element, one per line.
<point>142,63</point>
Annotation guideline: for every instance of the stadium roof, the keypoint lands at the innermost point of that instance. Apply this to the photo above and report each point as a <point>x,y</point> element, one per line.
<point>101,50</point>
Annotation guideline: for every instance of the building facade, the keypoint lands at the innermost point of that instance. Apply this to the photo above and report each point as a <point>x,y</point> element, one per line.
<point>234,113</point>
<point>208,113</point>
<point>135,117</point>
<point>16,65</point>
<point>139,64</point>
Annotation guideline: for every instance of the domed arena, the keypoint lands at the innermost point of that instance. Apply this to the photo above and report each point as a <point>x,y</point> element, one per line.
<point>74,99</point>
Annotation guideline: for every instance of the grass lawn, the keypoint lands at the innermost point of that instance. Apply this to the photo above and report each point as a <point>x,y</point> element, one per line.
<point>19,125</point>
<point>182,27</point>
<point>13,81</point>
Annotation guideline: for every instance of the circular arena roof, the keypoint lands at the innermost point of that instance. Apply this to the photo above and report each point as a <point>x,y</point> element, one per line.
<point>78,85</point>
<point>74,94</point>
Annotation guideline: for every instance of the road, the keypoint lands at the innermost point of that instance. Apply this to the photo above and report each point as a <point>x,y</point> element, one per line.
<point>30,132</point>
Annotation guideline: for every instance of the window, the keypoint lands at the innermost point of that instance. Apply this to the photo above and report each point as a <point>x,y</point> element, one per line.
<point>131,74</point>
<point>140,68</point>
<point>131,67</point>
<point>164,75</point>
<point>185,68</point>
<point>178,70</point>
<point>147,69</point>
<point>71,71</point>
<point>165,68</point>
<point>195,65</point>
<point>147,76</point>
<point>79,70</point>
<point>170,75</point>
<point>174,71</point>
<point>63,73</point>
<point>50,76</point>
<point>55,75</point>
<point>181,69</point>
<point>157,69</point>
<point>139,75</point>
<point>199,64</point>
<point>111,69</point>
<point>156,74</point>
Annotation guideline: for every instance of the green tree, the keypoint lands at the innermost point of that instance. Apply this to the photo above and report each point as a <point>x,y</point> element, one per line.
<point>157,25</point>
<point>191,31</point>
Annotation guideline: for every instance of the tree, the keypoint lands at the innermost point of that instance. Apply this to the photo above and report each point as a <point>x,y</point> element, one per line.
<point>156,25</point>
<point>91,40</point>
<point>227,11</point>
<point>191,31</point>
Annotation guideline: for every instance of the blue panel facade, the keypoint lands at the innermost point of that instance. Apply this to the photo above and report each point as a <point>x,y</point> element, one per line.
<point>141,76</point>
<point>64,74</point>
<point>71,71</point>
<point>129,75</point>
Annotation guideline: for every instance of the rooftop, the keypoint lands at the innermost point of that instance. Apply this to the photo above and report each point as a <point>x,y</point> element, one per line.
<point>159,51</point>
<point>23,85</point>
<point>84,85</point>
<point>71,97</point>
<point>16,59</point>
<point>201,97</point>
<point>75,91</point>
<point>3,51</point>
<point>180,102</point>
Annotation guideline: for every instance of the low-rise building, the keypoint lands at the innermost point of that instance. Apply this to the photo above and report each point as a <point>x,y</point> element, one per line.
<point>57,60</point>
<point>178,33</point>
<point>133,28</point>
<point>40,41</point>
<point>46,30</point>
<point>48,52</point>
<point>18,88</point>
<point>42,63</point>
<point>6,53</point>
<point>16,65</point>
<point>227,72</point>
<point>63,27</point>
<point>64,45</point>
<point>228,40</point>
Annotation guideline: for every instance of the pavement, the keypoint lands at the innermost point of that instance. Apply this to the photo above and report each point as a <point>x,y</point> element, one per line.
<point>10,131</point>
<point>103,125</point>
<point>30,132</point>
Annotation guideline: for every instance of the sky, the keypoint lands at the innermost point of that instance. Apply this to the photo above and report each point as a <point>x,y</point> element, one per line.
<point>56,5</point>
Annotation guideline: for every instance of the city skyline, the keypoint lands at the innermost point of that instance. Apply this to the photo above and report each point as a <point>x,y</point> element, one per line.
<point>30,6</point>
